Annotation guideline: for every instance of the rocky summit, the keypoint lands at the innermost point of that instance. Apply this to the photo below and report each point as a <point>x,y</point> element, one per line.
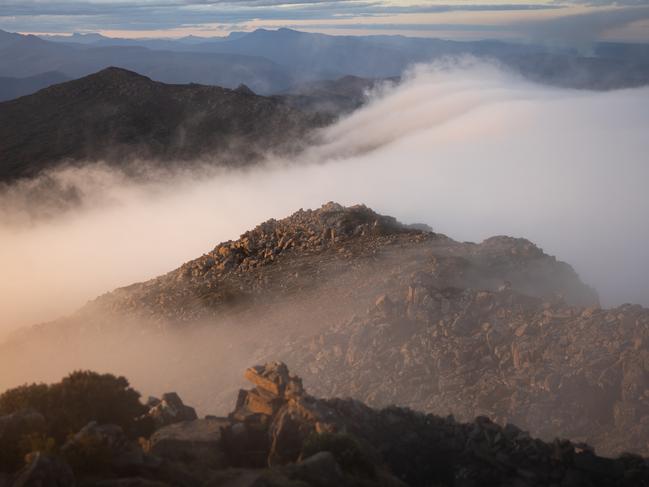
<point>364,306</point>
<point>278,435</point>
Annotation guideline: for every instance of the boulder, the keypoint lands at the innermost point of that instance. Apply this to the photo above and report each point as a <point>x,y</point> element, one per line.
<point>44,470</point>
<point>197,441</point>
<point>170,409</point>
<point>272,377</point>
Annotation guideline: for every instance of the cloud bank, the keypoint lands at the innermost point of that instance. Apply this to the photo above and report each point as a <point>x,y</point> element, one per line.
<point>568,20</point>
<point>468,148</point>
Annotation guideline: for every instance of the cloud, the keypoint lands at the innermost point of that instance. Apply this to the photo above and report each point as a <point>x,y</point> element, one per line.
<point>66,16</point>
<point>470,149</point>
<point>584,27</point>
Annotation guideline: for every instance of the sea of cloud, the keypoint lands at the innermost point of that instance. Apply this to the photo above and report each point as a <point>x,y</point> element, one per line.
<point>467,147</point>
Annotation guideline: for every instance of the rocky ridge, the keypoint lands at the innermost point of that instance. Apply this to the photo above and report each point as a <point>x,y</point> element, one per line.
<point>581,372</point>
<point>290,255</point>
<point>118,116</point>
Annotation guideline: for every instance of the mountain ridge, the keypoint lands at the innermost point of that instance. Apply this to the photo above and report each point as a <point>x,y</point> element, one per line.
<point>117,116</point>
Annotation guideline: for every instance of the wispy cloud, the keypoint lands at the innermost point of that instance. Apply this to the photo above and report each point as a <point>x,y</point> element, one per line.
<point>562,21</point>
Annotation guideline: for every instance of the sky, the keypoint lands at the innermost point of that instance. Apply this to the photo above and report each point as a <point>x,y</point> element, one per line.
<point>557,21</point>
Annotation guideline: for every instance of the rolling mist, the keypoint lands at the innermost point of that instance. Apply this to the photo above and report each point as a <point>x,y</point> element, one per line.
<point>469,148</point>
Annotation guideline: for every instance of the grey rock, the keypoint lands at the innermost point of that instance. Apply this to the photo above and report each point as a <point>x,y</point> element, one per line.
<point>197,441</point>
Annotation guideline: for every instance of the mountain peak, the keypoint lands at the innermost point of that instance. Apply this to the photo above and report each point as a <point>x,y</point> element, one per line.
<point>115,72</point>
<point>244,89</point>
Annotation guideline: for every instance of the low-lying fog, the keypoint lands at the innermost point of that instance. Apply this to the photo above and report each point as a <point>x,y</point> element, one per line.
<point>471,150</point>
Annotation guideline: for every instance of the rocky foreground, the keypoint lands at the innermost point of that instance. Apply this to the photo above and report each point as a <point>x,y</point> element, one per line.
<point>278,435</point>
<point>363,306</point>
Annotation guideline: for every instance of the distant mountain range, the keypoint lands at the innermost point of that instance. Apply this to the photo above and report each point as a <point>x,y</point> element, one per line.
<point>117,115</point>
<point>273,61</point>
<point>29,55</point>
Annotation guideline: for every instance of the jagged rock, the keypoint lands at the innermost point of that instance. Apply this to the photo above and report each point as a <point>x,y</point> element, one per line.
<point>423,449</point>
<point>192,442</point>
<point>44,470</point>
<point>272,381</point>
<point>170,409</point>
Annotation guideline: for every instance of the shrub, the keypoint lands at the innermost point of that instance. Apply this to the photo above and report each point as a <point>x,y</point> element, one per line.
<point>345,448</point>
<point>81,397</point>
<point>29,396</point>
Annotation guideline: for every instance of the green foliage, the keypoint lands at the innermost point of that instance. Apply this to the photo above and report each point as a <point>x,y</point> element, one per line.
<point>345,448</point>
<point>81,397</point>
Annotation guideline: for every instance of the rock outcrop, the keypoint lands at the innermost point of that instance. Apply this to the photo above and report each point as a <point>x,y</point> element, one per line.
<point>551,368</point>
<point>169,410</point>
<point>279,435</point>
<point>319,248</point>
<point>419,449</point>
<point>195,442</point>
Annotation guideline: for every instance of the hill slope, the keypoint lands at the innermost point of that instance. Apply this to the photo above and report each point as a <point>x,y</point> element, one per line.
<point>11,88</point>
<point>117,115</point>
<point>362,305</point>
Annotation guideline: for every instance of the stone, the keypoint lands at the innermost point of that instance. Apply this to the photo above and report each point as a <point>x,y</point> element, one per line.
<point>170,409</point>
<point>197,441</point>
<point>262,402</point>
<point>272,377</point>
